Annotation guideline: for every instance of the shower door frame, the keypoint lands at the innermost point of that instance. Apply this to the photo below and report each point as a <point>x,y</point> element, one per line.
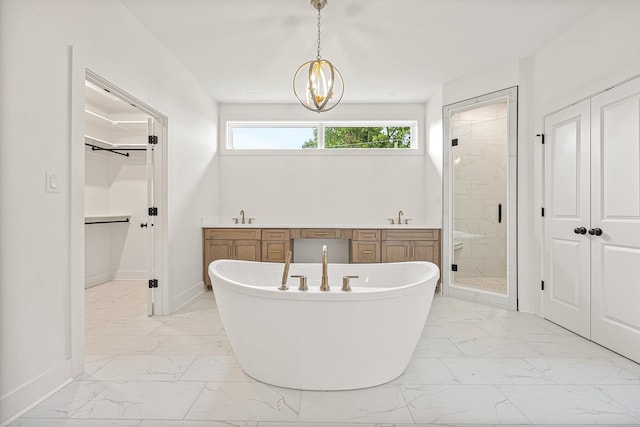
<point>510,300</point>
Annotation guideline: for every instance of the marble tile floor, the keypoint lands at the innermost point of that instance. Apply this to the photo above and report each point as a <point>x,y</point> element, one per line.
<point>475,365</point>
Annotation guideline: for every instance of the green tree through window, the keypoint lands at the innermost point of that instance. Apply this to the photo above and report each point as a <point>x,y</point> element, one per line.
<point>362,137</point>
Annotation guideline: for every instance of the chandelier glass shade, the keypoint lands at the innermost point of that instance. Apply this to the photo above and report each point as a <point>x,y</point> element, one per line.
<point>317,84</point>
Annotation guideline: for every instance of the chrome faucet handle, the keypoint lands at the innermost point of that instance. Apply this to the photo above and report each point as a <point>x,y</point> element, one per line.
<point>250,220</point>
<point>406,221</point>
<point>235,220</point>
<point>392,220</point>
<point>345,283</point>
<point>303,282</point>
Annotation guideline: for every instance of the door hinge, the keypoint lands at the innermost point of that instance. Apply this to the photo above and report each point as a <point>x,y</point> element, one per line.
<point>153,211</point>
<point>542,285</point>
<point>542,211</point>
<point>153,139</point>
<point>454,142</point>
<point>153,283</point>
<point>541,135</point>
<point>454,267</point>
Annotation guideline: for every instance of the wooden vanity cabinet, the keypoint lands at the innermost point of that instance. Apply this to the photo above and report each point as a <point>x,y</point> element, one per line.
<point>411,245</point>
<point>365,246</point>
<point>221,243</point>
<point>275,245</point>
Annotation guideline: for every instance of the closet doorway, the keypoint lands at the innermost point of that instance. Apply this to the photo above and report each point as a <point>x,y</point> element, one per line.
<point>123,190</point>
<point>479,242</point>
<point>592,218</point>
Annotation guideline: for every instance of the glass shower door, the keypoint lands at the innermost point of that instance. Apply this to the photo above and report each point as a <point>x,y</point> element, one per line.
<point>480,164</point>
<point>480,193</point>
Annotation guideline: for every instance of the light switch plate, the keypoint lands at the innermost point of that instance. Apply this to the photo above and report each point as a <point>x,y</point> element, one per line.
<point>51,182</point>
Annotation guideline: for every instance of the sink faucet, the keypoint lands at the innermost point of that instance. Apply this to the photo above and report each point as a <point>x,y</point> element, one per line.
<point>324,285</point>
<point>400,213</point>
<point>242,214</point>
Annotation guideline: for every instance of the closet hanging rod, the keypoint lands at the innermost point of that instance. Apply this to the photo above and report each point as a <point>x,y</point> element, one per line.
<point>114,150</point>
<point>107,222</point>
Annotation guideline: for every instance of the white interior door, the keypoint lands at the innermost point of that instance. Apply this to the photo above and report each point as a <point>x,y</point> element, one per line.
<point>567,219</point>
<point>151,244</point>
<point>615,212</point>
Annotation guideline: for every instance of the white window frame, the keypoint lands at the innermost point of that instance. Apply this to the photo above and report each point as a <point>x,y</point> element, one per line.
<point>415,149</point>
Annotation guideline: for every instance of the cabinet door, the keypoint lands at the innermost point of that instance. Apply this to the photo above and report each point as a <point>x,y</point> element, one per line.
<point>274,250</point>
<point>247,250</point>
<point>395,251</point>
<point>213,250</point>
<point>425,250</point>
<point>365,251</point>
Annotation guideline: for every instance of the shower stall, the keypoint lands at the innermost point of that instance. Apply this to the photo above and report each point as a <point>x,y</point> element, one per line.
<point>480,192</point>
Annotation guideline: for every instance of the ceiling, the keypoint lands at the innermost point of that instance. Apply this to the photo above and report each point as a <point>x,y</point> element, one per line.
<point>387,50</point>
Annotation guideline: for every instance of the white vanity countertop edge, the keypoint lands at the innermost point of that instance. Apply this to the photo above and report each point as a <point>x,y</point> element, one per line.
<point>430,225</point>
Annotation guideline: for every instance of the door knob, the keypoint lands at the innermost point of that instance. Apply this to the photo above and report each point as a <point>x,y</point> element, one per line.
<point>595,232</point>
<point>581,230</point>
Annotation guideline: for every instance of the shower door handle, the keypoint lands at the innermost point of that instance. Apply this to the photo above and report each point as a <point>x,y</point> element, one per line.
<point>499,213</point>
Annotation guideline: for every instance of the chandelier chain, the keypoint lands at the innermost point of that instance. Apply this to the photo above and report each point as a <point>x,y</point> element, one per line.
<point>318,56</point>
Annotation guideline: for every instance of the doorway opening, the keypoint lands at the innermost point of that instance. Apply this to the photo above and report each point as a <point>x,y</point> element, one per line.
<point>123,189</point>
<point>480,195</point>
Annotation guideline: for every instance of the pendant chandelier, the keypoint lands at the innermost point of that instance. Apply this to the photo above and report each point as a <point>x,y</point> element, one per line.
<point>318,84</point>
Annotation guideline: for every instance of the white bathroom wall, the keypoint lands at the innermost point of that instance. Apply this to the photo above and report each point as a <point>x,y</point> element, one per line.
<point>326,188</point>
<point>433,156</point>
<point>42,77</point>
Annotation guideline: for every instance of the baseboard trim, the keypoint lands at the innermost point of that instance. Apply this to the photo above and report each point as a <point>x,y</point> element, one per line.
<point>187,296</point>
<point>98,278</point>
<point>131,275</point>
<point>15,403</point>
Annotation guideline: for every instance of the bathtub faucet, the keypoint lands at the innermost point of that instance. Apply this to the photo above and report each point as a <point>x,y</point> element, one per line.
<point>324,285</point>
<point>285,273</point>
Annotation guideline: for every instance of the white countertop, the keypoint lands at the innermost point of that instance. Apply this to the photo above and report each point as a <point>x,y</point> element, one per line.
<point>430,224</point>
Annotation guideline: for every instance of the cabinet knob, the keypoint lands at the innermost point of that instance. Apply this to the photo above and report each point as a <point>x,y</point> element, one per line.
<point>580,230</point>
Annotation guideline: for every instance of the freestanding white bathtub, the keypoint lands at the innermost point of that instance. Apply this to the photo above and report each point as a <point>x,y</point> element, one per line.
<point>315,340</point>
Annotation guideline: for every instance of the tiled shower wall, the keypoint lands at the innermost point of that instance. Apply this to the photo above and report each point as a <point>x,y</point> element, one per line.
<point>480,184</point>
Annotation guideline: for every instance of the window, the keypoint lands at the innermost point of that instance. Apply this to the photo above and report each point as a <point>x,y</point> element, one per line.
<point>319,136</point>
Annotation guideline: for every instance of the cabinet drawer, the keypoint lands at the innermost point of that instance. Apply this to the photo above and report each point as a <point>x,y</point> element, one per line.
<point>363,251</point>
<point>412,234</point>
<point>368,235</point>
<point>275,234</point>
<point>320,233</point>
<point>232,233</point>
<point>275,250</point>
